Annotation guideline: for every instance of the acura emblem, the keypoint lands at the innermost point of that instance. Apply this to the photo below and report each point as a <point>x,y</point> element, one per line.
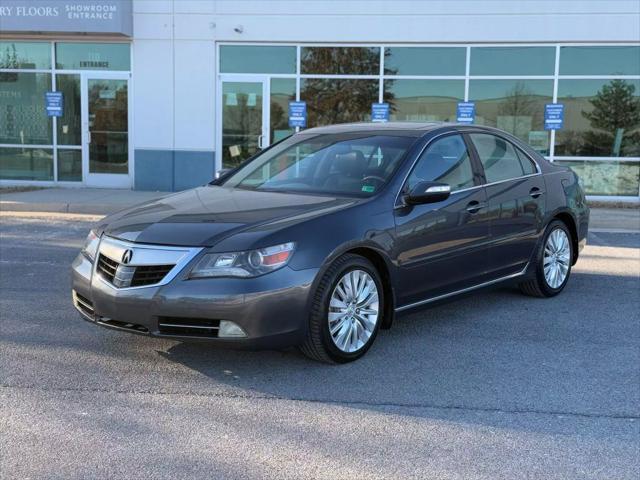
<point>127,256</point>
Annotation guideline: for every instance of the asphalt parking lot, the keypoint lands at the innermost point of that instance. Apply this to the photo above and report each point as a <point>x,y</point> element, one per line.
<point>496,385</point>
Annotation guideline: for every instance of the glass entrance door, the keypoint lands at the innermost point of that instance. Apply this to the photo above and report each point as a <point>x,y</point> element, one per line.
<point>106,152</point>
<point>244,110</point>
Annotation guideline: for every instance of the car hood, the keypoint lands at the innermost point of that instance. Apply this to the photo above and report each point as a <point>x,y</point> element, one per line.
<point>206,215</point>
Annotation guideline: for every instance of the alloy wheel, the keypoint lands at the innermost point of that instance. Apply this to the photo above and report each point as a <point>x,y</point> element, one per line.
<point>557,258</point>
<point>353,311</point>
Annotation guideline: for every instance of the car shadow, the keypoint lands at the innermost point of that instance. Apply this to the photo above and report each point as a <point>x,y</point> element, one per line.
<point>491,353</point>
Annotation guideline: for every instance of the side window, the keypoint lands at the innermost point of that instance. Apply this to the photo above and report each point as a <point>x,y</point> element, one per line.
<point>446,161</point>
<point>527,164</point>
<point>498,157</point>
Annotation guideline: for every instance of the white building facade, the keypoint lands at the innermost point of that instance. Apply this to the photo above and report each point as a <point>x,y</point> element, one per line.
<point>160,94</point>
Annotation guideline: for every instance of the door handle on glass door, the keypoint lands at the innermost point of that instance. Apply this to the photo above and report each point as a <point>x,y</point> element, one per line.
<point>261,142</point>
<point>88,136</point>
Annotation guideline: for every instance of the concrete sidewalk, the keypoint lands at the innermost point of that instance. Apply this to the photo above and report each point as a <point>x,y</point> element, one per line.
<point>95,201</point>
<point>98,201</point>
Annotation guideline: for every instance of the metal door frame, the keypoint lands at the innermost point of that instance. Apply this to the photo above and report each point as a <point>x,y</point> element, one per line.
<point>105,180</point>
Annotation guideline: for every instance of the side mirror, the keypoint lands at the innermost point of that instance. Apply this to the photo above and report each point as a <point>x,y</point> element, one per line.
<point>222,172</point>
<point>428,192</point>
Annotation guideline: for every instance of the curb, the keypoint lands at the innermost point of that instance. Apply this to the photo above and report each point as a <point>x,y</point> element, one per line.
<point>57,207</point>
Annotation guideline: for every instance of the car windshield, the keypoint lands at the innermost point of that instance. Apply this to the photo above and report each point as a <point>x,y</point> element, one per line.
<point>344,164</point>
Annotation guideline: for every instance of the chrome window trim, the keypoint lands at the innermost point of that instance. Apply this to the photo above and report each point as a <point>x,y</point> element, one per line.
<point>189,254</point>
<point>398,204</point>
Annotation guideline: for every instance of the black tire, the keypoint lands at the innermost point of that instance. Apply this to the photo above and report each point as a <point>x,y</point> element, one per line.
<point>318,344</point>
<point>537,285</point>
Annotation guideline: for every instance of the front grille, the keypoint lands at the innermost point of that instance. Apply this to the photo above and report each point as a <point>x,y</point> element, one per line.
<point>149,274</point>
<point>192,327</point>
<point>123,276</point>
<point>83,304</point>
<point>107,267</point>
<point>123,325</point>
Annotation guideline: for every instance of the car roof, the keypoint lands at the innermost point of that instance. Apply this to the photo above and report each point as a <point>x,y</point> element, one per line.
<point>416,129</point>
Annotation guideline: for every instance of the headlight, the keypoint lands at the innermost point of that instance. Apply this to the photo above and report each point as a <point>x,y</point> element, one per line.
<point>243,264</point>
<point>90,248</point>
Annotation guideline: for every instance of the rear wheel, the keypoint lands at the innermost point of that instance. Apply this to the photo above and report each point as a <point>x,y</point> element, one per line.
<point>553,262</point>
<point>346,312</point>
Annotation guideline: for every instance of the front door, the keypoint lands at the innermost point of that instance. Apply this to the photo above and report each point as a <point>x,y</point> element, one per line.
<point>442,247</point>
<point>244,118</point>
<point>106,120</point>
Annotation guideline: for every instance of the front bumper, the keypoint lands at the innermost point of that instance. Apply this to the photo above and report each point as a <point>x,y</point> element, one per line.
<point>272,309</point>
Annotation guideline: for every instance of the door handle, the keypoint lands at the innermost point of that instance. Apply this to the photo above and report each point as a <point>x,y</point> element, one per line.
<point>535,192</point>
<point>88,136</point>
<point>475,206</point>
<point>261,142</point>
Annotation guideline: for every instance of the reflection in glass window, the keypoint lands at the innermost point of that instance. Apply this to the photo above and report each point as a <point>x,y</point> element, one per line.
<point>425,61</point>
<point>26,163</point>
<point>606,177</point>
<point>600,60</point>
<point>332,101</point>
<point>447,161</point>
<point>513,60</point>
<point>93,56</point>
<point>424,100</point>
<point>23,119</point>
<point>25,55</point>
<point>283,91</point>
<point>601,118</point>
<point>257,59</point>
<point>69,165</point>
<point>516,106</point>
<point>69,125</point>
<point>340,60</point>
<point>499,158</point>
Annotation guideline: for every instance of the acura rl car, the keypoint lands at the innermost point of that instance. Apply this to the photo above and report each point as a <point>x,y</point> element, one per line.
<point>320,240</point>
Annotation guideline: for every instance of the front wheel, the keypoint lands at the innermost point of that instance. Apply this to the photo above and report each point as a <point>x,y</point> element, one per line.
<point>346,311</point>
<point>553,262</point>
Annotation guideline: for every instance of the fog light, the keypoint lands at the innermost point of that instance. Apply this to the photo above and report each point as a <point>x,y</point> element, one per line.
<point>230,329</point>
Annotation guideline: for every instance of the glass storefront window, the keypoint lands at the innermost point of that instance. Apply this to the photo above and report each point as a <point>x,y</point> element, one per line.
<point>283,91</point>
<point>601,118</point>
<point>516,106</point>
<point>257,59</point>
<point>600,60</point>
<point>69,165</point>
<point>332,100</point>
<point>607,177</point>
<point>23,119</point>
<point>93,56</point>
<point>424,100</point>
<point>512,60</point>
<point>26,163</point>
<point>425,61</point>
<point>69,125</point>
<point>25,55</point>
<point>340,60</point>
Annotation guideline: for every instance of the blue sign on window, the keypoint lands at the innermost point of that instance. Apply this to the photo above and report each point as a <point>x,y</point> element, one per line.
<point>553,116</point>
<point>297,114</point>
<point>379,112</point>
<point>53,104</point>
<point>466,112</point>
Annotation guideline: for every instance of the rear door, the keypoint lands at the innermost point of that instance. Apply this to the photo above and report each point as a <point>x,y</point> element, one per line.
<point>440,247</point>
<point>515,202</point>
